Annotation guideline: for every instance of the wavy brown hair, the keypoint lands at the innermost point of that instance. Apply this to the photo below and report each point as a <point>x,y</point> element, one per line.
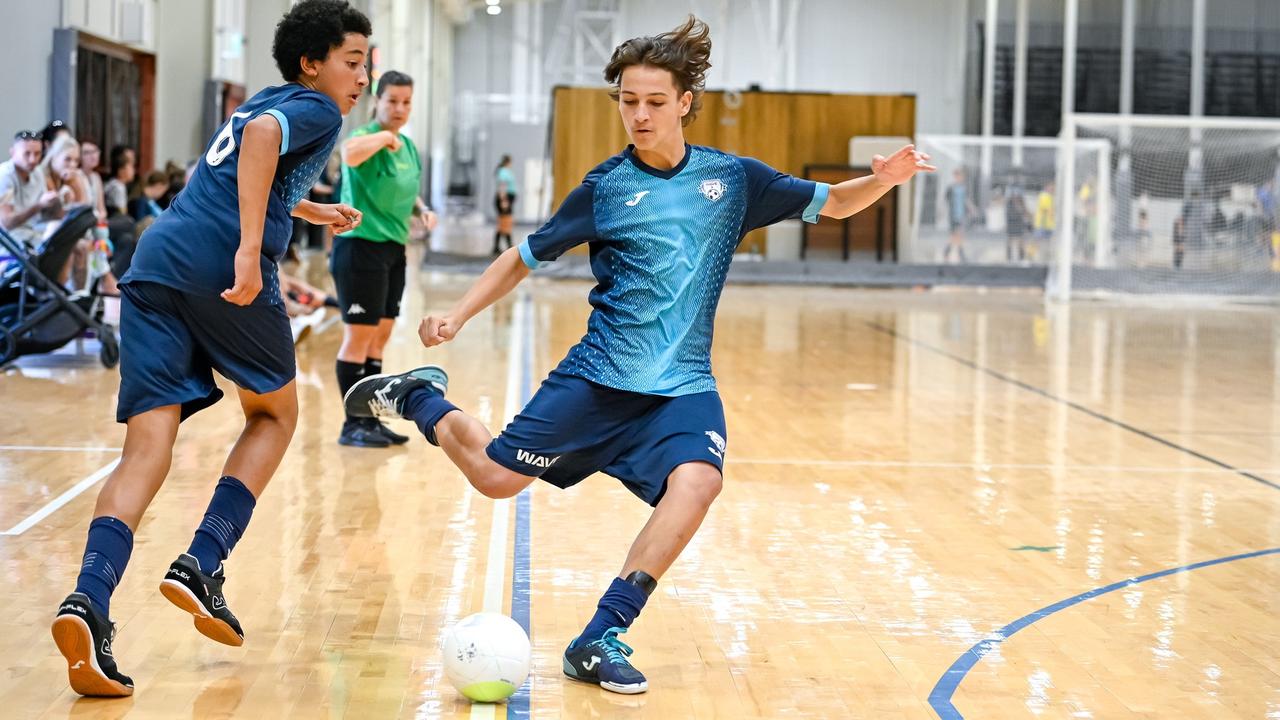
<point>684,52</point>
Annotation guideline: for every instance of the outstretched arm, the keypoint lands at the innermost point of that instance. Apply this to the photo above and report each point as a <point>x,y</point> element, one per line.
<point>362,147</point>
<point>853,196</point>
<point>498,279</point>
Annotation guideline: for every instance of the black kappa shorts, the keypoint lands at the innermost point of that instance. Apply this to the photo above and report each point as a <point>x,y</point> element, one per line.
<point>369,277</point>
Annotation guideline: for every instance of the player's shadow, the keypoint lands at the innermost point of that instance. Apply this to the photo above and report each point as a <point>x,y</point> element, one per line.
<point>219,699</point>
<point>593,702</point>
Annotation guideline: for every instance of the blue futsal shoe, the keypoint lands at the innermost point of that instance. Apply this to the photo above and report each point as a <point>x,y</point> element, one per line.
<point>384,396</point>
<point>604,662</point>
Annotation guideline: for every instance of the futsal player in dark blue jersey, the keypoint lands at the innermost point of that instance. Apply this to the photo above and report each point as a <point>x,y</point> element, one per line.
<point>635,398</point>
<point>202,295</point>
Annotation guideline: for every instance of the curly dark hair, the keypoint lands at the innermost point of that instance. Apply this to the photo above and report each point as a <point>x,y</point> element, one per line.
<point>311,29</point>
<point>685,52</point>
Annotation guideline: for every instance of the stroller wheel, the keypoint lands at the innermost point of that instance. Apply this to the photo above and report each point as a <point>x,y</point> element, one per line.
<point>110,352</point>
<point>8,345</point>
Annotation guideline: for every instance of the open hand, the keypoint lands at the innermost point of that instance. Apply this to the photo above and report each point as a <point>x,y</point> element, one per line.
<point>900,166</point>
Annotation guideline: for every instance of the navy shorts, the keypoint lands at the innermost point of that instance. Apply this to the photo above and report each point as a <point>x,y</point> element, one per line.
<point>573,427</point>
<point>172,341</point>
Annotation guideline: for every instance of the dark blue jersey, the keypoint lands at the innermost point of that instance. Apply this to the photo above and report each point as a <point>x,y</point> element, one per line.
<point>192,245</point>
<point>661,242</point>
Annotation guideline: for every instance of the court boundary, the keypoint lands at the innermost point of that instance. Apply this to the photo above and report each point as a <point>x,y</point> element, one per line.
<point>941,695</point>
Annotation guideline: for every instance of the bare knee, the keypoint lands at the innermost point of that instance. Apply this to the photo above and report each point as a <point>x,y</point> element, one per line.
<point>498,482</point>
<point>283,412</point>
<point>358,340</point>
<point>697,483</point>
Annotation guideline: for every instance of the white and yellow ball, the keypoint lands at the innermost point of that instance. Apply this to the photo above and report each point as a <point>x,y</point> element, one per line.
<point>486,656</point>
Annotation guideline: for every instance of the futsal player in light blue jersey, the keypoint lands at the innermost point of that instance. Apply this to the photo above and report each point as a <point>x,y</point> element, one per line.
<point>201,295</point>
<point>635,398</point>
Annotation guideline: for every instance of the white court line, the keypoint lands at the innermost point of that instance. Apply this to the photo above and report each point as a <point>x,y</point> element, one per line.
<point>984,466</point>
<point>495,574</point>
<point>62,499</point>
<point>57,448</point>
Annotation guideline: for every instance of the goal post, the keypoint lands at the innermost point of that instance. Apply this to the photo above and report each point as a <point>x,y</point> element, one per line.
<point>1184,207</point>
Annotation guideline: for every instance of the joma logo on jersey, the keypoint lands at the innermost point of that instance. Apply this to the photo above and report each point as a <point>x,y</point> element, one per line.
<point>712,189</point>
<point>529,458</point>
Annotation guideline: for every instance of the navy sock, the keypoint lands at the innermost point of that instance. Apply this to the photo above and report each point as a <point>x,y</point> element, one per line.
<point>349,374</point>
<point>106,553</point>
<point>425,408</point>
<point>224,522</point>
<point>372,366</point>
<point>618,607</point>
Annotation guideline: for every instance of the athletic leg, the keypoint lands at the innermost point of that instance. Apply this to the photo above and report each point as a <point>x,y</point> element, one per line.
<point>194,581</point>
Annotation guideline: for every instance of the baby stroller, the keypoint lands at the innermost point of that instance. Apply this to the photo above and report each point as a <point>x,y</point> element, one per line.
<point>37,315</point>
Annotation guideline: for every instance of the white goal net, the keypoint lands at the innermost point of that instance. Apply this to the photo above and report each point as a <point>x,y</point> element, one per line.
<point>995,201</point>
<point>1191,209</point>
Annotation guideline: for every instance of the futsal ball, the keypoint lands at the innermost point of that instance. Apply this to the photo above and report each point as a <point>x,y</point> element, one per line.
<point>486,656</point>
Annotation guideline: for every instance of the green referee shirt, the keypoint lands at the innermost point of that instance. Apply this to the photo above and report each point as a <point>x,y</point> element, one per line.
<point>384,188</point>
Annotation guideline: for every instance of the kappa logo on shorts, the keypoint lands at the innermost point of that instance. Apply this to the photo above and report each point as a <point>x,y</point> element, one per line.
<point>529,458</point>
<point>355,309</point>
<point>719,442</point>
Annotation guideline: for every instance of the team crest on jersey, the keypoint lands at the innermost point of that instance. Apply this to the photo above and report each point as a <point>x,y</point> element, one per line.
<point>712,189</point>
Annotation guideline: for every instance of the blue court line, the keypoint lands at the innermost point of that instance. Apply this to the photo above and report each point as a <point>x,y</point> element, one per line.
<point>518,705</point>
<point>940,698</point>
<point>1073,405</point>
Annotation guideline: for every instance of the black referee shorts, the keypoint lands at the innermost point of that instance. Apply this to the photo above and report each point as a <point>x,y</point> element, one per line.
<point>369,277</point>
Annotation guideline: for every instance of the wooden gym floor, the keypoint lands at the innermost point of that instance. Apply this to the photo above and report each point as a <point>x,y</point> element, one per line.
<point>952,504</point>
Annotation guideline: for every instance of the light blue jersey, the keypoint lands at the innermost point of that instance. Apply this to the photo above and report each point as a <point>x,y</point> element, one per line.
<point>506,181</point>
<point>661,242</point>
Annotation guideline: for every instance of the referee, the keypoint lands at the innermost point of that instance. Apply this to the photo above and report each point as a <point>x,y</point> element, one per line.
<point>381,174</point>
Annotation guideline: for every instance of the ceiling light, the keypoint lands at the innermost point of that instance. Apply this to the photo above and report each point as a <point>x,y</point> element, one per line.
<point>494,9</point>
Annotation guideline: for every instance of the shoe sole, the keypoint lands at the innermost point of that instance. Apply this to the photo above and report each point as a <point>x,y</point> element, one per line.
<point>209,626</point>
<point>611,687</point>
<point>75,642</point>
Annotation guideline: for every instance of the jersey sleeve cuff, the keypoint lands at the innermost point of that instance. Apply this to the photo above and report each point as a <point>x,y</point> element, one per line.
<point>526,255</point>
<point>820,191</point>
<point>284,128</point>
